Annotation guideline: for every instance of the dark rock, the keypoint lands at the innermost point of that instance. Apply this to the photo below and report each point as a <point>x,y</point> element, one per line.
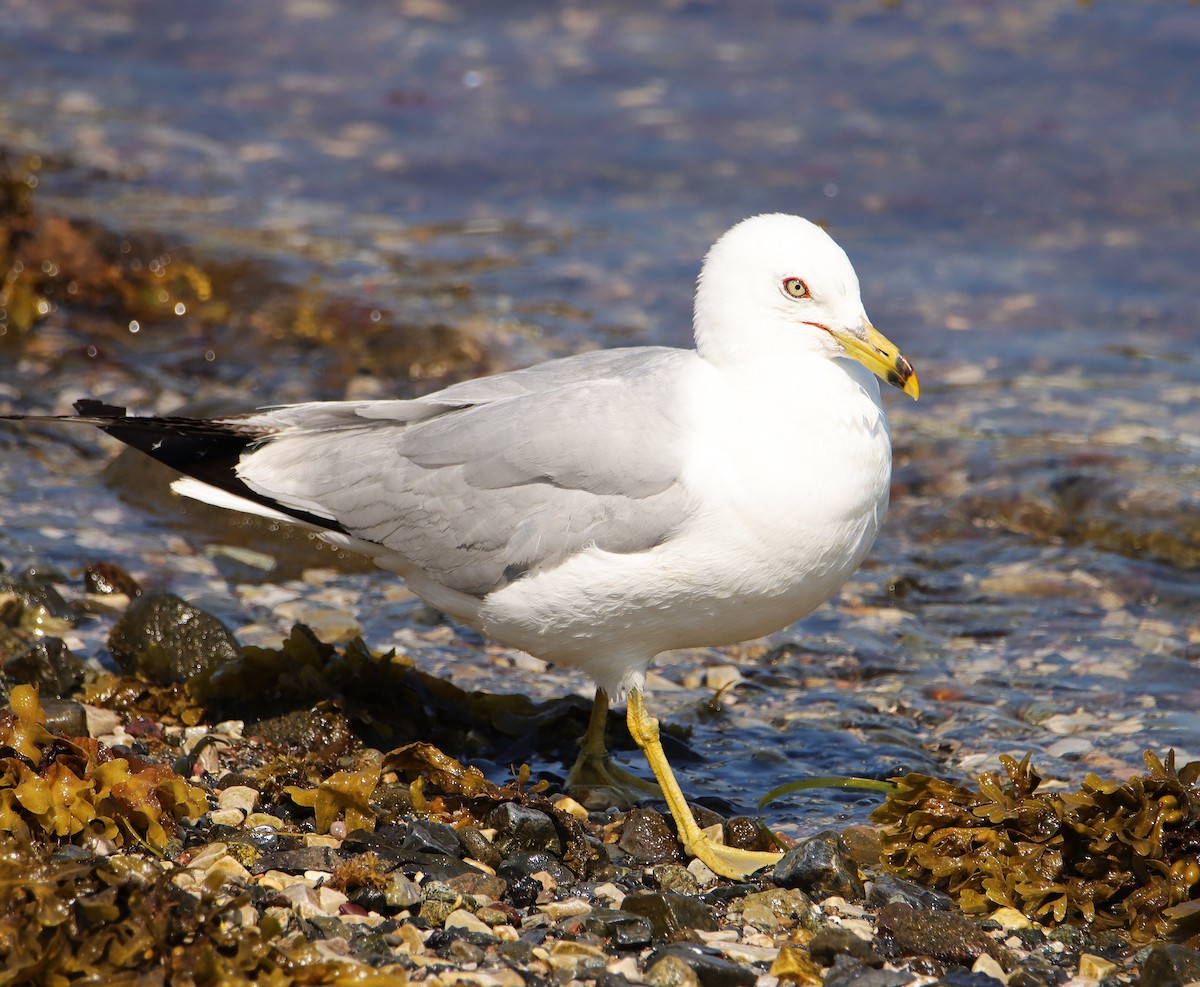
<point>669,913</point>
<point>818,867</point>
<point>625,930</point>
<point>518,827</point>
<point>48,664</point>
<point>1170,966</point>
<point>647,838</point>
<point>833,941</point>
<point>262,839</point>
<point>479,847</point>
<point>476,883</point>
<point>436,866</point>
<point>526,863</point>
<point>37,599</point>
<point>711,968</point>
<point>106,578</point>
<point>523,891</point>
<point>329,927</point>
<point>948,936</point>
<point>165,640</point>
<point>372,899</point>
<point>384,842</point>
<point>1034,971</point>
<point>967,978</point>
<point>322,729</point>
<point>430,837</point>
<point>392,801</point>
<point>462,951</point>
<point>232,779</point>
<point>722,894</point>
<point>888,889</point>
<point>518,952</point>
<point>848,972</point>
<point>297,861</point>
<point>65,717</point>
<point>745,834</point>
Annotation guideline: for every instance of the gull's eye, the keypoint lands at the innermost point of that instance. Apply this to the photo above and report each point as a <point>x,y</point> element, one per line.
<point>795,288</point>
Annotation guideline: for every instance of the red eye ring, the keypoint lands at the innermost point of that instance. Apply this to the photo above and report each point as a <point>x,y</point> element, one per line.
<point>796,288</point>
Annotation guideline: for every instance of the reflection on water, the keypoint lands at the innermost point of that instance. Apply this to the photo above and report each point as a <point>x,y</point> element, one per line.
<point>388,195</point>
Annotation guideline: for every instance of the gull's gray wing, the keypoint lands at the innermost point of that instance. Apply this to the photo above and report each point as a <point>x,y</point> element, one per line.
<point>488,480</point>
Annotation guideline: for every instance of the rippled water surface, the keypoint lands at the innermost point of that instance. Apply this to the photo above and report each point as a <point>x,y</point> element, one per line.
<point>427,191</point>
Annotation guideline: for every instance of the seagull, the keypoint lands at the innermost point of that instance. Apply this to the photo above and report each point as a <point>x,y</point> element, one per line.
<point>599,509</point>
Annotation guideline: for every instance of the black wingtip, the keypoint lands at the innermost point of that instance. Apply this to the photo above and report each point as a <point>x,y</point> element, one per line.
<point>91,408</point>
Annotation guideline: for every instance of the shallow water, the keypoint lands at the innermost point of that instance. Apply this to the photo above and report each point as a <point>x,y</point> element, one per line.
<point>500,183</point>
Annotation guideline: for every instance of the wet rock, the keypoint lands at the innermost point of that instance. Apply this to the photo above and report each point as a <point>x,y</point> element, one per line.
<point>518,827</point>
<point>434,912</point>
<point>1034,971</point>
<point>674,877</point>
<point>301,859</point>
<point>385,842</point>
<point>108,578</point>
<point>48,664</point>
<point>328,926</point>
<point>479,847</point>
<point>967,978</point>
<point>818,867</point>
<point>947,936</point>
<point>478,884</point>
<point>165,639</point>
<point>647,838</point>
<point>526,863</point>
<point>711,968</point>
<point>669,913</point>
<point>371,899</point>
<point>34,603</point>
<point>462,951</point>
<point>401,892</point>
<point>624,929</point>
<point>518,952</point>
<point>1170,966</point>
<point>847,972</point>
<point>671,971</point>
<point>523,891</point>
<point>887,889</point>
<point>745,834</point>
<point>430,837</point>
<point>391,801</point>
<point>833,941</point>
<point>65,717</point>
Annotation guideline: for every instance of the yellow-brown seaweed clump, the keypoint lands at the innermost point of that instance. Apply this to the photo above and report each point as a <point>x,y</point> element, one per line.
<point>1113,854</point>
<point>75,789</point>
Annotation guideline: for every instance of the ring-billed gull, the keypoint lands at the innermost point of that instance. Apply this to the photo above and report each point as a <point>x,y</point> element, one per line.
<point>599,509</point>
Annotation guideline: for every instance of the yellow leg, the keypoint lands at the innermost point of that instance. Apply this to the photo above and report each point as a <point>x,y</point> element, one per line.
<point>595,774</point>
<point>723,860</point>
